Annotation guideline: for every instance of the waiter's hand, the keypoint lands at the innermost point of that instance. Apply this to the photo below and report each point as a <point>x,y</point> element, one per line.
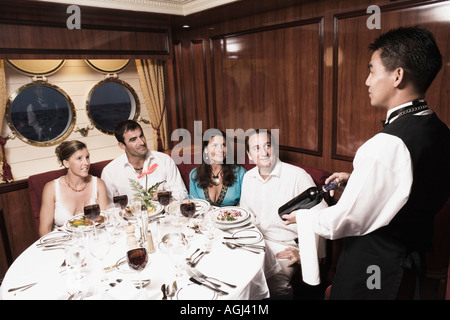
<point>290,254</point>
<point>339,178</point>
<point>290,218</point>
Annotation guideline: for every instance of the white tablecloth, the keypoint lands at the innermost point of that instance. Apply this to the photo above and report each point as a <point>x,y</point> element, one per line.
<point>239,267</point>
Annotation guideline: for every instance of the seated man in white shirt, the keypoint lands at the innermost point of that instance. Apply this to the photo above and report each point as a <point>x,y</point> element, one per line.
<point>264,189</point>
<point>137,158</point>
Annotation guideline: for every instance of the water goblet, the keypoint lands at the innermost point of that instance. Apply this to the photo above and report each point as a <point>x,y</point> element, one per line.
<point>177,248</point>
<point>99,246</point>
<point>207,226</point>
<point>75,254</point>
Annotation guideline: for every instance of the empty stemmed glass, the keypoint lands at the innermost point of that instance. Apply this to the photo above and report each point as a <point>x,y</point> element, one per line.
<point>207,227</point>
<point>99,246</point>
<point>75,253</point>
<point>140,212</point>
<point>137,259</point>
<point>177,248</point>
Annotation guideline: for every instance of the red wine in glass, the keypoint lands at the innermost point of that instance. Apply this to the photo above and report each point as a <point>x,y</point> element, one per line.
<point>164,197</point>
<point>187,209</point>
<point>137,258</point>
<point>121,200</point>
<point>92,212</point>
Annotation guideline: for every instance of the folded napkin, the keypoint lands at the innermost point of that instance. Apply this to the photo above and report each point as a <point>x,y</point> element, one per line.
<point>308,242</point>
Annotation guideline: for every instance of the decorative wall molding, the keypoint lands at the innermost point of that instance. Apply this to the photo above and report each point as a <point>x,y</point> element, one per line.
<point>175,7</point>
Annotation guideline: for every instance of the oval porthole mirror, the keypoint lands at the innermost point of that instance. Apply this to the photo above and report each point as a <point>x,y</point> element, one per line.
<point>40,114</point>
<point>111,101</point>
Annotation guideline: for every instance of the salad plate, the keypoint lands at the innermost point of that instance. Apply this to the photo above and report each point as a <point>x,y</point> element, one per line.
<point>230,215</point>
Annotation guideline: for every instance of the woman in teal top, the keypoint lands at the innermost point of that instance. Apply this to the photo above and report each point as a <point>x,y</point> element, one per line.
<point>214,180</point>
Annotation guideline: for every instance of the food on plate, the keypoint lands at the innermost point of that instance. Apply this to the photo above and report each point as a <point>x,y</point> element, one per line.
<point>149,209</point>
<point>85,222</point>
<point>229,215</point>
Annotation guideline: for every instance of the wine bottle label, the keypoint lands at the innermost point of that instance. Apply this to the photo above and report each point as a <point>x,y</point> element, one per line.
<point>330,186</point>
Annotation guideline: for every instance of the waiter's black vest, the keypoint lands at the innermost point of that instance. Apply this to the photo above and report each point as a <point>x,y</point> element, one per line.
<point>409,234</point>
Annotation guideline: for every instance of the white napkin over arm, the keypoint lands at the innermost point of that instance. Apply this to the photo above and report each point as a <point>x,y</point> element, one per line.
<point>308,243</point>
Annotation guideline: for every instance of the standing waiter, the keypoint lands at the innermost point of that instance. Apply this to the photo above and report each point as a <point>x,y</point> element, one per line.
<point>400,180</point>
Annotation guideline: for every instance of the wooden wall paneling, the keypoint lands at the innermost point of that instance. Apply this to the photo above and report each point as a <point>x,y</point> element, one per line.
<point>354,119</point>
<point>200,83</point>
<point>16,204</point>
<point>35,30</point>
<point>88,42</point>
<point>272,78</point>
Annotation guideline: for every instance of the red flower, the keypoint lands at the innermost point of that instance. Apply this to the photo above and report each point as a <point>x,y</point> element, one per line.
<point>148,171</point>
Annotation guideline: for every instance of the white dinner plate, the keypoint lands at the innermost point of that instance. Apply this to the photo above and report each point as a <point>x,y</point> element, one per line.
<point>56,236</point>
<point>238,215</point>
<point>242,223</point>
<point>195,292</point>
<point>248,233</point>
<point>71,228</point>
<point>158,209</point>
<point>201,206</point>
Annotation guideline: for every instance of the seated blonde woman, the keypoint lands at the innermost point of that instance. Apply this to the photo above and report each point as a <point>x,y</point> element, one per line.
<point>66,196</point>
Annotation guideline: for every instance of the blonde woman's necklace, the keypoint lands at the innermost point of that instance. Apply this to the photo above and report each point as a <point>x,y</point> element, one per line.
<point>215,178</point>
<point>76,190</point>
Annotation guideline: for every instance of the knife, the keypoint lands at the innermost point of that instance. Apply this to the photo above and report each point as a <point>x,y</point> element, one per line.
<point>22,288</point>
<point>198,282</point>
<point>203,276</point>
<point>234,238</point>
<point>195,273</point>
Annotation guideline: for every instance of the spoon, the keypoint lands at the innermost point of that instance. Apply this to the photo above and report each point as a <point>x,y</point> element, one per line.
<point>190,258</point>
<point>234,246</point>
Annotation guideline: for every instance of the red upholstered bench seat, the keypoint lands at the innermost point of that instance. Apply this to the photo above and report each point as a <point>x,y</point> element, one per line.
<point>37,182</point>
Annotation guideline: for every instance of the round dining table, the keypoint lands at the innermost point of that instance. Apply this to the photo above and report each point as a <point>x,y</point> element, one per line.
<point>52,279</point>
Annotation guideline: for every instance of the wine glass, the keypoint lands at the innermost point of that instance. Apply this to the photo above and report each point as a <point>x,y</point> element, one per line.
<point>113,223</point>
<point>99,246</point>
<point>139,211</point>
<point>75,254</point>
<point>174,214</point>
<point>187,210</point>
<point>92,212</point>
<point>207,227</point>
<point>122,201</point>
<point>177,248</point>
<point>164,196</point>
<point>137,259</point>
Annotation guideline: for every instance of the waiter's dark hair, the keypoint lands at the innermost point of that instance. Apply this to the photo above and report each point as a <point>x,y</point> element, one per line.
<point>415,50</point>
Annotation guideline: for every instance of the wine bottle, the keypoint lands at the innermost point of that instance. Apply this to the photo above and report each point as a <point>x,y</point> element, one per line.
<point>306,200</point>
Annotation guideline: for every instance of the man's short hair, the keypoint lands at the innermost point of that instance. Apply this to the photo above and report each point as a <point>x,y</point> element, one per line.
<point>124,126</point>
<point>415,50</point>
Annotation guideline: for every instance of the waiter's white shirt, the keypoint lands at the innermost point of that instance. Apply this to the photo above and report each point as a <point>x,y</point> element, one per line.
<point>377,189</point>
<point>117,173</point>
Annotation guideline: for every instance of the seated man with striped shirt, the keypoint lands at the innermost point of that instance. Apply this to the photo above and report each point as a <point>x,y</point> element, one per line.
<point>265,188</point>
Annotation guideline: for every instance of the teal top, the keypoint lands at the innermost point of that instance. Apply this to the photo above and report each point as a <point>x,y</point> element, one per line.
<point>230,196</point>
